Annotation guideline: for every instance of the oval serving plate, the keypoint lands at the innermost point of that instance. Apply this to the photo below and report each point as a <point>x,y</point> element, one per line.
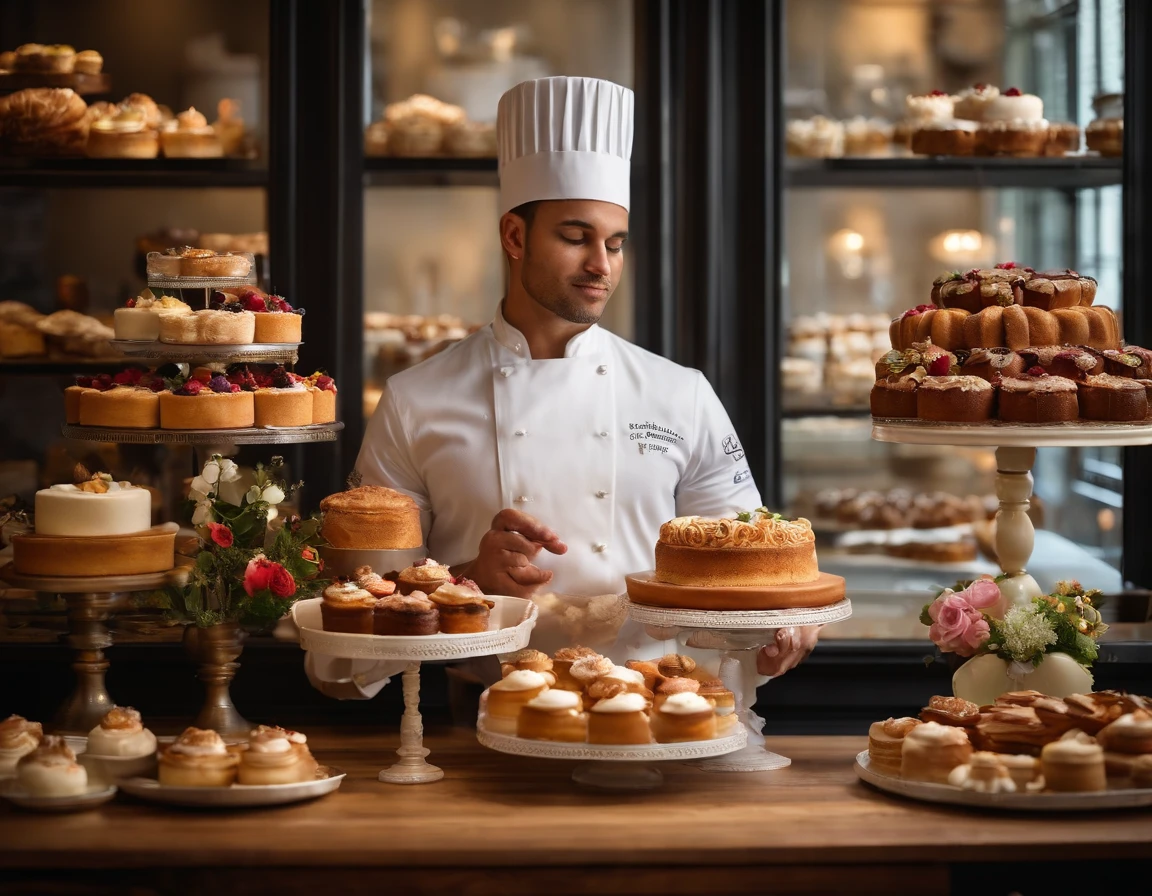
<point>238,796</point>
<point>97,794</point>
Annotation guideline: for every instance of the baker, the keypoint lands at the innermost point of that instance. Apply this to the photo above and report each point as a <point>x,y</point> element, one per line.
<point>543,451</point>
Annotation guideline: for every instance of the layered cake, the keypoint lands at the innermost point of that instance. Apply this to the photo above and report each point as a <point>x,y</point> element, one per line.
<point>140,318</point>
<point>94,506</point>
<point>757,560</point>
<point>217,405</point>
<point>128,400</point>
<point>371,518</point>
<point>1014,124</point>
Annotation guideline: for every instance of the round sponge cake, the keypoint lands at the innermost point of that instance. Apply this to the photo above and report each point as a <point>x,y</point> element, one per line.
<point>372,518</point>
<point>764,550</point>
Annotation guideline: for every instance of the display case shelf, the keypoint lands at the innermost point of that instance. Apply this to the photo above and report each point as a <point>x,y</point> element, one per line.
<point>153,173</point>
<point>82,83</point>
<point>280,435</point>
<point>435,172</point>
<point>1070,172</point>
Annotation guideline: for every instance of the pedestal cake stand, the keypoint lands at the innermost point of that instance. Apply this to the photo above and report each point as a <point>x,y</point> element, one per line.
<point>738,635</point>
<point>512,621</point>
<point>91,600</point>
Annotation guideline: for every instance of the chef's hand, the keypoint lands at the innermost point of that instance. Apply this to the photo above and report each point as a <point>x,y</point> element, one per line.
<point>789,649</point>
<point>504,563</point>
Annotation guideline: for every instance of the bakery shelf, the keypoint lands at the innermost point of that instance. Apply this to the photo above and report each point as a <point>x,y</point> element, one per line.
<point>155,173</point>
<point>967,173</point>
<point>282,435</point>
<point>60,367</point>
<point>83,83</point>
<point>438,172</point>
<point>254,353</point>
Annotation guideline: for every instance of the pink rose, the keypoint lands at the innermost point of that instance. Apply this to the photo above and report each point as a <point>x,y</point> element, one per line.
<point>957,627</point>
<point>221,534</point>
<point>258,574</point>
<point>981,594</point>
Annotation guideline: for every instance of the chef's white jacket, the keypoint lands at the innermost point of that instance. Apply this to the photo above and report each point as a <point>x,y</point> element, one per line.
<point>603,445</point>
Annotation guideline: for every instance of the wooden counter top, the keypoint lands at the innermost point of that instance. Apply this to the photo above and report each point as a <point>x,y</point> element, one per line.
<point>494,811</point>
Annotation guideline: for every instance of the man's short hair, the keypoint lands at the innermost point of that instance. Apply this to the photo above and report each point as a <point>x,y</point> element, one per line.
<point>527,211</point>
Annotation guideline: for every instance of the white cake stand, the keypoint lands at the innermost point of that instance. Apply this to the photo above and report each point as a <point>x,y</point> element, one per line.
<point>738,635</point>
<point>510,627</point>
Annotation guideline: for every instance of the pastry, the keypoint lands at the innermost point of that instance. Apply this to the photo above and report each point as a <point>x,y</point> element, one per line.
<point>1141,771</point>
<point>121,733</point>
<point>424,575</point>
<point>197,758</point>
<point>189,136</point>
<point>764,550</point>
<point>671,686</point>
<point>628,680</point>
<point>619,720</point>
<point>208,327</point>
<point>1051,290</point>
<point>989,363</point>
<point>1064,360</point>
<point>18,738</point>
<point>88,62</point>
<point>371,518</point>
<point>139,320</point>
<point>960,551</point>
<point>276,756</point>
<point>1105,136</point>
<point>562,662</point>
<point>463,610</point>
<point>153,116</point>
<point>346,607</point>
<point>932,750</point>
<point>1063,138</point>
<point>682,718</point>
<point>587,669</point>
<point>124,134</point>
<point>374,583</point>
<point>553,715</point>
<point>531,659</point>
<point>948,137</point>
<point>955,399</point>
<point>814,138</point>
<point>895,397</point>
<point>509,695</point>
<point>674,665</point>
<point>1013,729</point>
<point>51,770</point>
<point>1113,398</point>
<point>979,288</point>
<point>471,140</point>
<point>971,102</point>
<point>866,137</point>
<point>1130,734</point>
<point>885,743</point>
<point>649,670</point>
<point>951,711</point>
<point>56,59</point>
<point>276,320</point>
<point>1038,398</point>
<point>97,506</point>
<point>413,614</point>
<point>323,389</point>
<point>1022,769</point>
<point>229,127</point>
<point>1073,764</point>
<point>287,401</point>
<point>1014,124</point>
<point>17,341</point>
<point>1089,714</point>
<point>1121,363</point>
<point>216,406</point>
<point>124,406</point>
<point>984,773</point>
<point>719,696</point>
<point>1053,715</point>
<point>43,121</point>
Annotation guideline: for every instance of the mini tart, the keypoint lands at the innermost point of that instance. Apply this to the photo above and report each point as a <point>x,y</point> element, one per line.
<point>1073,764</point>
<point>400,615</point>
<point>427,577</point>
<point>885,742</point>
<point>894,397</point>
<point>1038,399</point>
<point>509,695</point>
<point>124,407</point>
<point>122,734</point>
<point>346,607</point>
<point>462,611</point>
<point>955,399</point>
<point>193,143</point>
<point>1112,398</point>
<point>108,143</point>
<point>683,718</point>
<point>197,758</point>
<point>278,326</point>
<point>51,770</point>
<point>18,738</point>
<point>207,410</point>
<point>371,517</point>
<point>932,750</point>
<point>283,407</point>
<point>276,756</point>
<point>553,715</point>
<point>619,720</point>
<point>988,363</point>
<point>208,327</point>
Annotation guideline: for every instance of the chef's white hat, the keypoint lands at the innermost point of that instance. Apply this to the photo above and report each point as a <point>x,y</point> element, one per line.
<point>564,138</point>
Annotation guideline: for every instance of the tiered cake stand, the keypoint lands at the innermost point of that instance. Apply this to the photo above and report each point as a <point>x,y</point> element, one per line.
<point>90,600</point>
<point>512,621</point>
<point>738,635</point>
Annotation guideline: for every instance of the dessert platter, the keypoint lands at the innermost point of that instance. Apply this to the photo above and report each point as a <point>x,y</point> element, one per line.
<point>728,585</point>
<point>617,720</point>
<point>1026,752</point>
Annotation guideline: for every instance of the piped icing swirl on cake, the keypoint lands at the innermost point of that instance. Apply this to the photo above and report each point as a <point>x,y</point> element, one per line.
<point>761,530</point>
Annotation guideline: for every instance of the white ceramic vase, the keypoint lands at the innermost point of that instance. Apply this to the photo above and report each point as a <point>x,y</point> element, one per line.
<point>984,678</point>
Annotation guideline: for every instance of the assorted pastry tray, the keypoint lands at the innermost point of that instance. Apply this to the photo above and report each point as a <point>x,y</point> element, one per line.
<point>236,796</point>
<point>1077,434</point>
<point>254,353</point>
<point>271,435</point>
<point>1120,798</point>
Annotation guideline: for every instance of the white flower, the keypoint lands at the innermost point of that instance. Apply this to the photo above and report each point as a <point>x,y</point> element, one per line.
<point>1026,633</point>
<point>211,471</point>
<point>229,472</point>
<point>273,494</point>
<point>202,514</point>
<point>200,489</point>
<point>254,495</point>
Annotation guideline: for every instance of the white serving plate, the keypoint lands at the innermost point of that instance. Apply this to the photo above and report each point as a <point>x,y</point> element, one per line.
<point>509,628</point>
<point>238,796</point>
<point>736,619</point>
<point>97,794</point>
<point>1126,798</point>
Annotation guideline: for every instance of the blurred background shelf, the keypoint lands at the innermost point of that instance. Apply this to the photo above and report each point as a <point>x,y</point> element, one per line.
<point>446,172</point>
<point>1072,172</point>
<point>195,173</point>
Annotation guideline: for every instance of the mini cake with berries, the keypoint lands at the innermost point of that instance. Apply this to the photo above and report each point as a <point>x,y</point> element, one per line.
<point>978,289</point>
<point>139,320</point>
<point>283,400</point>
<point>989,363</point>
<point>276,320</point>
<point>1037,397</point>
<point>224,323</point>
<point>1118,399</point>
<point>1014,125</point>
<point>128,400</point>
<point>1066,361</point>
<point>955,399</point>
<point>217,404</point>
<point>895,396</point>
<point>323,389</point>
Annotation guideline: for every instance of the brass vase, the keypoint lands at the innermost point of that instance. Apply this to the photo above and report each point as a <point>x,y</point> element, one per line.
<point>215,650</point>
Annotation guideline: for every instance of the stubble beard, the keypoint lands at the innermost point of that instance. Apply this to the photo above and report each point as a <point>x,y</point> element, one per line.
<point>550,296</point>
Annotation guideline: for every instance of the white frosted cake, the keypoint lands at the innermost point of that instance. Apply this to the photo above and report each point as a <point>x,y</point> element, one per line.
<point>140,320</point>
<point>99,506</point>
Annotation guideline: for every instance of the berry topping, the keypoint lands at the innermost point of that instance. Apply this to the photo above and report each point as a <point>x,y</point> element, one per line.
<point>255,303</point>
<point>325,384</point>
<point>1036,371</point>
<point>131,303</point>
<point>153,383</point>
<point>281,379</point>
<point>192,387</point>
<point>202,374</point>
<point>979,86</point>
<point>938,93</point>
<point>919,309</point>
<point>940,366</point>
<point>234,307</point>
<point>103,382</point>
<point>219,384</point>
<point>1013,91</point>
<point>128,377</point>
<point>423,562</point>
<point>84,381</point>
<point>1007,266</point>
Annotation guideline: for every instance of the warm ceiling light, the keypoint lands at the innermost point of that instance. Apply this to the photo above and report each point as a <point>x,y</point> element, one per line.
<point>961,248</point>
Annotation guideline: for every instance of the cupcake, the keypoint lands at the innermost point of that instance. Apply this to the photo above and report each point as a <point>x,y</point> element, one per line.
<point>424,575</point>
<point>957,399</point>
<point>51,770</point>
<point>463,609</point>
<point>412,614</point>
<point>18,738</point>
<point>275,756</point>
<point>1036,397</point>
<point>346,607</point>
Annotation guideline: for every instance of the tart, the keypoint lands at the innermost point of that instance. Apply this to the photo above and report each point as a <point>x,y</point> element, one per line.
<point>1037,397</point>
<point>509,695</point>
<point>1112,398</point>
<point>189,136</point>
<point>932,750</point>
<point>18,738</point>
<point>286,401</point>
<point>955,399</point>
<point>51,770</point>
<point>886,741</point>
<point>197,758</point>
<point>371,517</point>
<point>553,715</point>
<point>219,405</point>
<point>413,614</point>
<point>128,400</point>
<point>121,733</point>
<point>346,607</point>
<point>463,610</point>
<point>323,389</point>
<point>424,575</point>
<point>620,720</point>
<point>276,756</point>
<point>1073,764</point>
<point>122,135</point>
<point>209,327</point>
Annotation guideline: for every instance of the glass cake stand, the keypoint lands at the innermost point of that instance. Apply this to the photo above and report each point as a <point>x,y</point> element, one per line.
<point>738,635</point>
<point>511,624</point>
<point>269,435</point>
<point>183,353</point>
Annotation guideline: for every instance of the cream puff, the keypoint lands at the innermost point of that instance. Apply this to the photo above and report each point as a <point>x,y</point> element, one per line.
<point>18,738</point>
<point>562,661</point>
<point>51,770</point>
<point>682,718</point>
<point>619,720</point>
<point>587,669</point>
<point>671,686</point>
<point>553,715</point>
<point>509,695</point>
<point>198,758</point>
<point>1073,764</point>
<point>122,734</point>
<point>276,756</point>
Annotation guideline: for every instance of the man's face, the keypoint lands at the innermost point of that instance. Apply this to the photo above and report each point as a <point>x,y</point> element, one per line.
<point>573,256</point>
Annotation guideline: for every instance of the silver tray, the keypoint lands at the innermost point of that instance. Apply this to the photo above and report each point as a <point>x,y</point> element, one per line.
<point>238,796</point>
<point>1126,798</point>
<point>181,353</point>
<point>97,794</point>
<point>1075,434</point>
<point>272,435</point>
<point>201,282</point>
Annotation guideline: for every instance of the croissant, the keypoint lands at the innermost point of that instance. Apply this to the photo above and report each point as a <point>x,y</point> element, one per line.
<point>43,121</point>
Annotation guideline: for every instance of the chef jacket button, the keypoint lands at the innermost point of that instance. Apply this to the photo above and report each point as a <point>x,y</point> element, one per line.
<point>521,432</point>
<point>518,347</point>
<point>602,369</point>
<point>505,371</point>
<point>601,494</point>
<point>522,499</point>
<point>603,433</point>
<point>600,548</point>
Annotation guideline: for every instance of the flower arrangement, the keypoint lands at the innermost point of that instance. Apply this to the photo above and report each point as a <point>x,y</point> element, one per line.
<point>235,577</point>
<point>1066,621</point>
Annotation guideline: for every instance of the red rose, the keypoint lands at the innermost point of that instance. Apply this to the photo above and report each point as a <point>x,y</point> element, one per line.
<point>221,534</point>
<point>281,583</point>
<point>258,575</point>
